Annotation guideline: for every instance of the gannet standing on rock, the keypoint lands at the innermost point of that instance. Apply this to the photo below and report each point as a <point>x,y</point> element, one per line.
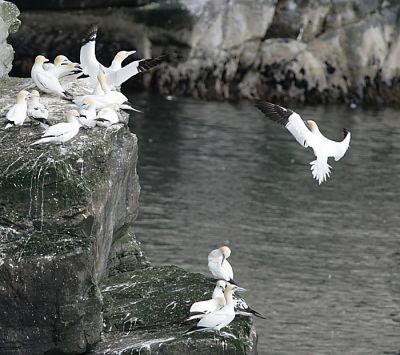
<point>199,309</point>
<point>36,110</point>
<point>45,80</point>
<point>61,132</point>
<point>88,113</point>
<point>221,317</point>
<point>18,112</point>
<point>323,147</point>
<point>108,116</point>
<point>219,266</point>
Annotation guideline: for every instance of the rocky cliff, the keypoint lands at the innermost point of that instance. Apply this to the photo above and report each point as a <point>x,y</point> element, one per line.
<point>305,50</point>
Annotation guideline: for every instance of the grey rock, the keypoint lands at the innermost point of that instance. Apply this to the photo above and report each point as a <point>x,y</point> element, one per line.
<point>9,23</point>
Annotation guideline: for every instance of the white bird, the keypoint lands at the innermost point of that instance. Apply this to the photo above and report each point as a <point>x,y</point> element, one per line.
<point>107,98</point>
<point>116,73</point>
<point>219,267</point>
<point>63,67</point>
<point>88,113</point>
<point>36,110</point>
<point>18,112</point>
<point>107,116</point>
<point>221,317</point>
<point>323,147</point>
<point>45,80</point>
<point>199,309</point>
<point>61,132</point>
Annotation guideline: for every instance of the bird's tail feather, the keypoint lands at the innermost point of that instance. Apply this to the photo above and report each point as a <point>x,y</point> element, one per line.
<point>41,141</point>
<point>320,170</point>
<point>195,329</point>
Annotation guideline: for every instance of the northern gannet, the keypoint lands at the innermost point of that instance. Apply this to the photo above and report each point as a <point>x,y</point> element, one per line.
<point>221,317</point>
<point>61,132</point>
<point>107,116</point>
<point>116,73</point>
<point>323,147</point>
<point>16,115</point>
<point>88,113</point>
<point>63,67</point>
<point>36,110</point>
<point>199,309</point>
<point>45,80</point>
<point>219,267</point>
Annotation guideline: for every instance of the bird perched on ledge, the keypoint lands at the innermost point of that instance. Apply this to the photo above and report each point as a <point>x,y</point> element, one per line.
<point>16,115</point>
<point>219,267</point>
<point>310,136</point>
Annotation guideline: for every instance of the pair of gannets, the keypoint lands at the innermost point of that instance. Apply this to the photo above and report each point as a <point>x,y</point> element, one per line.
<point>310,136</point>
<point>46,80</point>
<point>116,74</point>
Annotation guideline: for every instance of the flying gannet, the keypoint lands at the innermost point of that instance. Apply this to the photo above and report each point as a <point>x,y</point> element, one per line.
<point>61,132</point>
<point>219,267</point>
<point>220,318</point>
<point>16,115</point>
<point>199,309</point>
<point>323,147</point>
<point>36,110</point>
<point>45,80</point>
<point>116,73</point>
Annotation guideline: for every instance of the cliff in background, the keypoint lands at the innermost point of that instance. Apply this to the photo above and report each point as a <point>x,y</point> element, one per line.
<point>314,51</point>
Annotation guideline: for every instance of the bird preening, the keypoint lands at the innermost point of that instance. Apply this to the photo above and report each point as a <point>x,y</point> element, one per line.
<point>219,311</point>
<point>308,135</point>
<point>99,107</point>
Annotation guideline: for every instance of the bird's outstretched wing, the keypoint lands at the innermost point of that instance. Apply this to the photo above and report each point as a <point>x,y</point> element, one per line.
<point>288,118</point>
<point>120,76</point>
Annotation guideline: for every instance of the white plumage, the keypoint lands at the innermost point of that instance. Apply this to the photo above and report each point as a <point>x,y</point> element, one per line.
<point>219,267</point>
<point>16,115</point>
<point>63,67</point>
<point>323,147</point>
<point>88,113</point>
<point>61,132</point>
<point>36,110</point>
<point>45,80</point>
<point>107,116</point>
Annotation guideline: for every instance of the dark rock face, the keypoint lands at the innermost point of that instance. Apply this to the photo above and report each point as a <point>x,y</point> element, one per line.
<point>65,220</point>
<point>313,51</point>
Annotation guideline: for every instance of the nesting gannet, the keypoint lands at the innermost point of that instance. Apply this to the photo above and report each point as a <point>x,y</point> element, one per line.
<point>63,67</point>
<point>88,113</point>
<point>36,110</point>
<point>116,73</point>
<point>61,132</point>
<point>219,266</point>
<point>16,115</point>
<point>107,116</point>
<point>199,309</point>
<point>323,147</point>
<point>45,80</point>
<point>221,317</point>
<point>241,307</point>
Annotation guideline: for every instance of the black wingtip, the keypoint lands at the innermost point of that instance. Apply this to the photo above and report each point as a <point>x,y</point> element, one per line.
<point>68,95</point>
<point>345,132</point>
<point>147,64</point>
<point>257,314</point>
<point>194,329</point>
<point>274,112</point>
<point>90,34</point>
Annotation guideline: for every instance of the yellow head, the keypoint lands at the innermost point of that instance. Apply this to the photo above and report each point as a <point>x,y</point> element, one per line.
<point>35,93</point>
<point>122,55</point>
<point>221,284</point>
<point>225,251</point>
<point>40,59</point>
<point>60,59</point>
<point>312,125</point>
<point>114,107</point>
<point>89,101</point>
<point>22,95</point>
<point>72,115</point>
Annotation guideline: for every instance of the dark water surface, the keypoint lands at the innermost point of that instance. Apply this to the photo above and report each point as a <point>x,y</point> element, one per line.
<point>321,261</point>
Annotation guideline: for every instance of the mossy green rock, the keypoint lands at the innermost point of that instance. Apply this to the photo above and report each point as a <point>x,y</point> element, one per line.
<point>145,313</point>
<point>66,217</point>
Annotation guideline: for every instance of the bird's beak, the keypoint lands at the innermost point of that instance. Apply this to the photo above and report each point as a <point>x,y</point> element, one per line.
<point>223,259</point>
<point>131,52</point>
<point>46,61</point>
